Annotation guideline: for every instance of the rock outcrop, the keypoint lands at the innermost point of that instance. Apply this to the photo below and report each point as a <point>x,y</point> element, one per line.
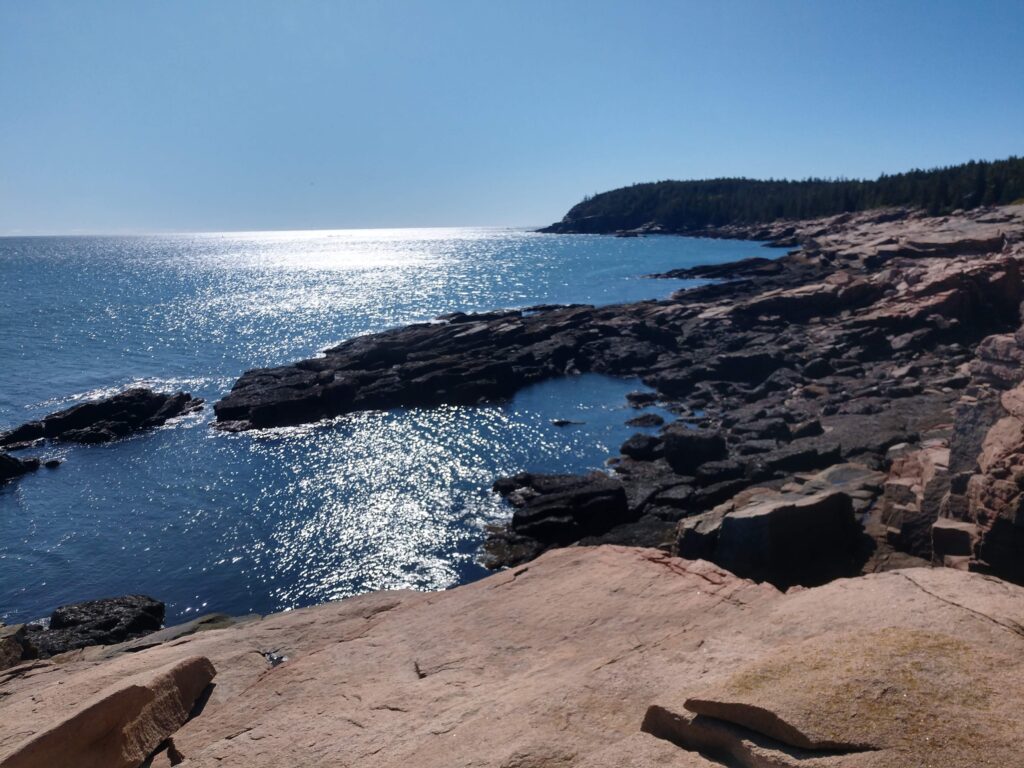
<point>555,510</point>
<point>599,657</point>
<point>94,622</point>
<point>886,338</point>
<point>104,420</point>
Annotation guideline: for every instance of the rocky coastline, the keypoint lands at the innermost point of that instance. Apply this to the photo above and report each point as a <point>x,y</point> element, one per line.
<point>818,562</point>
<point>879,344</point>
<point>103,420</point>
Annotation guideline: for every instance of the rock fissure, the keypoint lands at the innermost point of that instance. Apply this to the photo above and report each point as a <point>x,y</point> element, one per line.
<point>1006,624</point>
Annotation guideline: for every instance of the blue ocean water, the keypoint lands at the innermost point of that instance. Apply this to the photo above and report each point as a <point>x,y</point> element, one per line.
<point>272,520</point>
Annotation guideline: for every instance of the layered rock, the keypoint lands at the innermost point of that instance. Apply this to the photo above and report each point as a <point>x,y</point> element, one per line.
<point>595,657</point>
<point>555,510</point>
<point>104,420</point>
<point>917,485</point>
<point>897,305</point>
<point>862,345</point>
<point>119,726</point>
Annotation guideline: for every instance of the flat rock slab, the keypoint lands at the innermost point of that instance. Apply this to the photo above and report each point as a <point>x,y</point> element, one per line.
<point>119,726</point>
<point>562,663</point>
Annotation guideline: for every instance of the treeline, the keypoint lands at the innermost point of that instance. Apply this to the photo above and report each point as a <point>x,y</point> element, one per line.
<point>694,205</point>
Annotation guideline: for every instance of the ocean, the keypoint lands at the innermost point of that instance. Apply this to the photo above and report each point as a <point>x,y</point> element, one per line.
<point>267,521</point>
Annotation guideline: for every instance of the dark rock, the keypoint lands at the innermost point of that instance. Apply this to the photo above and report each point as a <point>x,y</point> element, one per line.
<point>763,429</point>
<point>799,457</point>
<point>809,428</point>
<point>555,510</point>
<point>642,447</point>
<point>953,538</point>
<point>105,420</point>
<point>52,463</point>
<point>710,495</point>
<point>15,646</point>
<point>98,622</point>
<point>686,449</point>
<point>646,420</point>
<point>711,472</point>
<point>640,399</point>
<point>564,422</point>
<point>12,467</point>
<point>648,531</point>
<point>817,368</point>
<point>747,367</point>
<point>697,537</point>
<point>752,447</point>
<point>677,496</point>
<point>785,540</point>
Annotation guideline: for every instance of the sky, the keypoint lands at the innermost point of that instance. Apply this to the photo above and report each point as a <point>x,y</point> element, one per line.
<point>148,115</point>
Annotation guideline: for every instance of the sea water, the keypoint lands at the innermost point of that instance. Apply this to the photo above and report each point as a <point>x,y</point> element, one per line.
<point>271,520</point>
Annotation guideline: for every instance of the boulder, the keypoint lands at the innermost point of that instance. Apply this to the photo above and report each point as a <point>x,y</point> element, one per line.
<point>917,485</point>
<point>12,467</point>
<point>803,540</point>
<point>14,645</point>
<point>556,510</point>
<point>686,449</point>
<point>953,539</point>
<point>642,447</point>
<point>646,420</point>
<point>781,538</point>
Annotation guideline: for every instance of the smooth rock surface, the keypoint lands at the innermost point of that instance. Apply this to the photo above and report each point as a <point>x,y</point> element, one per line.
<point>569,660</point>
<point>119,726</point>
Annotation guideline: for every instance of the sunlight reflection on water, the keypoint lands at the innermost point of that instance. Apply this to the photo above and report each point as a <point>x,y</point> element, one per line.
<point>266,521</point>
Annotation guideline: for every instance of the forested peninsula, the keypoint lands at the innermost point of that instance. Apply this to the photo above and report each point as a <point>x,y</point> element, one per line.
<point>695,206</point>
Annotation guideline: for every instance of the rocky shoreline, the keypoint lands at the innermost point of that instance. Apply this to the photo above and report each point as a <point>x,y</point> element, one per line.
<point>753,585</point>
<point>881,343</point>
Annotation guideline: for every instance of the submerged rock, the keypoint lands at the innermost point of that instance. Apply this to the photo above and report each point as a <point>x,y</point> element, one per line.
<point>646,420</point>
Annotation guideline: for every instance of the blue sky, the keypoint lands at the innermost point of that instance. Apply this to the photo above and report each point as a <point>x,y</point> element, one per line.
<point>238,114</point>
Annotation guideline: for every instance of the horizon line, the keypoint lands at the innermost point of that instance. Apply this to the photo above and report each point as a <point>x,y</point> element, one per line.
<point>172,232</point>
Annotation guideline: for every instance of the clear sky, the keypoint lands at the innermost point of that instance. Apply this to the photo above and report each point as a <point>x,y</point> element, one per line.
<point>237,114</point>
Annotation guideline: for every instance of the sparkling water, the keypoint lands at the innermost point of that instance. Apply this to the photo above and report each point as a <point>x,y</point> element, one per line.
<point>266,521</point>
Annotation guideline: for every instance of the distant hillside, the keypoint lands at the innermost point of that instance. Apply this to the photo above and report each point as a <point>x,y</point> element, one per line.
<point>682,206</point>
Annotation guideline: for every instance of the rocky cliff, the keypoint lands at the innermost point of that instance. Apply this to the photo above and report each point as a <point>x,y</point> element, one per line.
<point>586,657</point>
